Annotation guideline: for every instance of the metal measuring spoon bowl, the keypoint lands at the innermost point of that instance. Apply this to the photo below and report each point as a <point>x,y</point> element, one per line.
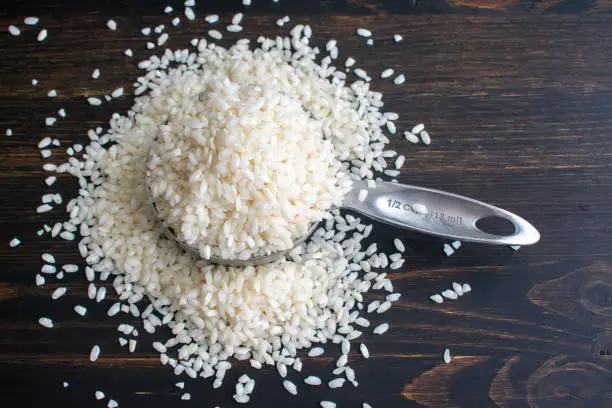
<point>170,232</point>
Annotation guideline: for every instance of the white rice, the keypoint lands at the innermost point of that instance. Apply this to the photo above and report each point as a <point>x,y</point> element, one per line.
<point>92,291</point>
<point>95,353</point>
<point>364,350</point>
<point>373,306</point>
<point>31,21</point>
<point>456,244</point>
<point>447,356</point>
<point>45,142</point>
<point>400,79</point>
<point>399,162</point>
<point>111,24</point>
<point>80,310</point>
<point>350,375</point>
<point>466,288</point>
<point>420,208</point>
<point>381,328</point>
<point>290,387</point>
<point>211,18</point>
<point>269,311</point>
<point>237,18</point>
<point>216,34</point>
<point>282,369</point>
<point>52,93</point>
<point>360,73</point>
<point>94,101</point>
<point>112,404</point>
<point>312,380</point>
<point>449,294</point>
<point>425,137</point>
<point>39,280</point>
<point>249,386</point>
<point>393,297</point>
<point>363,194</point>
<point>117,93</point>
<point>458,288</point>
<point>99,395</point>
<point>387,73</point>
<point>448,250</point>
<point>42,35</point>
<point>14,242</point>
<point>437,298</point>
<point>327,404</point>
<point>161,40</point>
<point>114,309</point>
<point>233,233</point>
<point>70,268</point>
<point>46,322</point>
<point>399,245</point>
<point>58,293</point>
<point>417,129</point>
<point>315,352</point>
<point>384,306</point>
<point>412,138</point>
<point>14,30</point>
<point>362,32</point>
<point>297,365</point>
<point>336,383</point>
<point>48,269</point>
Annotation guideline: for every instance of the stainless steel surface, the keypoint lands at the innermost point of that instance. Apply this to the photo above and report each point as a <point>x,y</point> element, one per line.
<point>448,215</point>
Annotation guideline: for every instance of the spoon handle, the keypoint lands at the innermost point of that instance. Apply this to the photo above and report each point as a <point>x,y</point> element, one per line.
<point>437,213</point>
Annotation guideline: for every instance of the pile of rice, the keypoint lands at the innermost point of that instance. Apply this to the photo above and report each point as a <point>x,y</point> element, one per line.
<point>260,190</point>
<point>243,170</point>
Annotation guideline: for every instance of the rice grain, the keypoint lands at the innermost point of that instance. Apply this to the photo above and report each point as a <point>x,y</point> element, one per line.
<point>290,387</point>
<point>381,328</point>
<point>46,322</point>
<point>95,353</point>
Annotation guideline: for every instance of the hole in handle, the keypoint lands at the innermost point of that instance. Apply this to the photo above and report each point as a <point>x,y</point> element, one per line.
<point>496,225</point>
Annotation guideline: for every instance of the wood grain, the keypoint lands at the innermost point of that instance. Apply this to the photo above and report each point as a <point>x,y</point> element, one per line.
<point>517,95</point>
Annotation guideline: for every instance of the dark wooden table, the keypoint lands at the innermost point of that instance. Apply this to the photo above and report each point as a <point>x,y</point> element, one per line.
<point>517,95</point>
